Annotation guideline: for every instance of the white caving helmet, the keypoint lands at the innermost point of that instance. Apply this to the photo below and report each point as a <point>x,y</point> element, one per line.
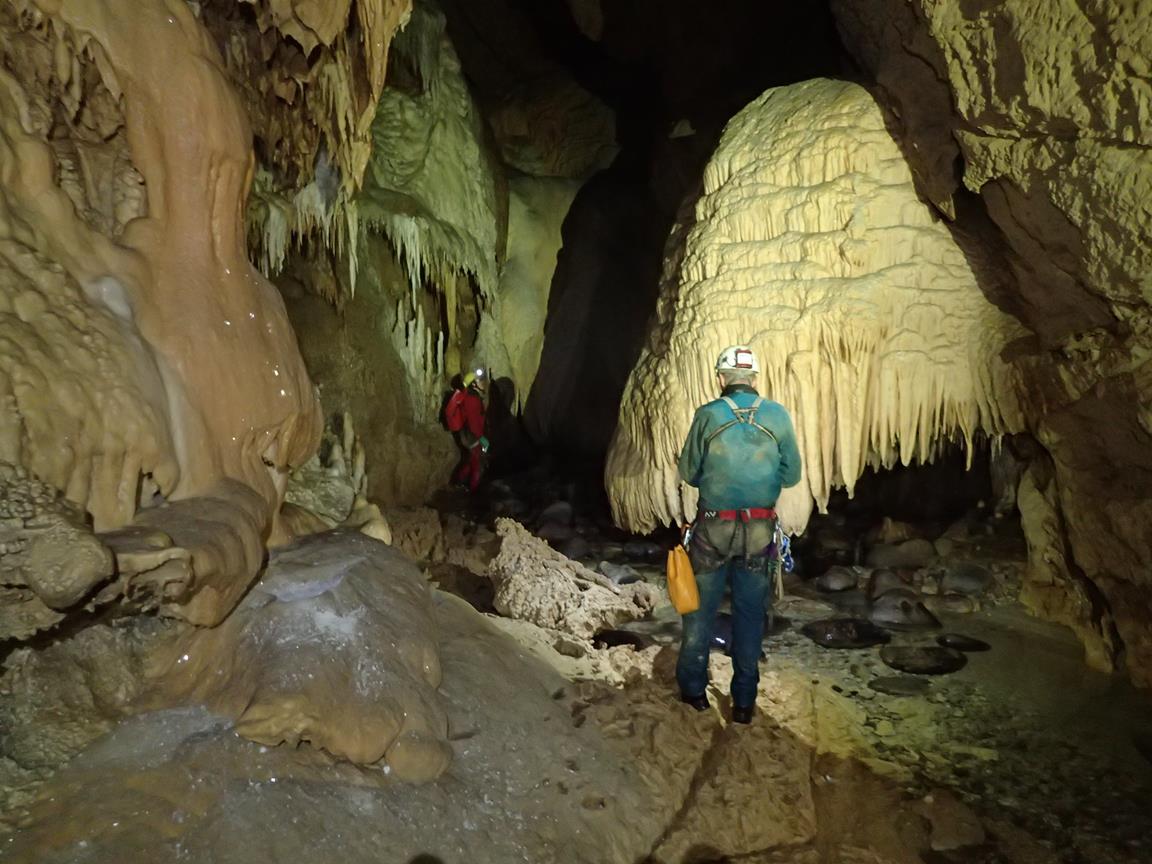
<point>737,358</point>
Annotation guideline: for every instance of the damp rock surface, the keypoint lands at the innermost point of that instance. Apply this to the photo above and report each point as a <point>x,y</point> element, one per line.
<point>336,645</point>
<point>525,783</point>
<point>923,660</point>
<point>844,633</point>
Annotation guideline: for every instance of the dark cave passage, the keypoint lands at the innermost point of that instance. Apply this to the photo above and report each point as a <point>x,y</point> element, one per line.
<point>682,70</point>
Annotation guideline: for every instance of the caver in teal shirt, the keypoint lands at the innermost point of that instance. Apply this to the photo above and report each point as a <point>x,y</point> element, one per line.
<point>741,467</point>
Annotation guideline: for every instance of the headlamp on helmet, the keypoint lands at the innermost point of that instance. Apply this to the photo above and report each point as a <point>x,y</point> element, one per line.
<point>738,358</point>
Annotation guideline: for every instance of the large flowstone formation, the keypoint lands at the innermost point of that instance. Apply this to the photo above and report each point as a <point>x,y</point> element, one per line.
<point>809,244</point>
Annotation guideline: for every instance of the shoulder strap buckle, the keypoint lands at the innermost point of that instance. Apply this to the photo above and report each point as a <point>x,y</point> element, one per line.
<point>747,415</point>
<point>744,416</point>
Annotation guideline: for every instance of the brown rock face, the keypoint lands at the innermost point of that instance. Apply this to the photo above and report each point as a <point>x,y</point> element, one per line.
<point>335,645</point>
<point>1045,105</point>
<point>145,359</point>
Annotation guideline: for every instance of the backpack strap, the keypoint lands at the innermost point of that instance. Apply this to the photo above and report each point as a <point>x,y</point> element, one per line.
<point>747,416</point>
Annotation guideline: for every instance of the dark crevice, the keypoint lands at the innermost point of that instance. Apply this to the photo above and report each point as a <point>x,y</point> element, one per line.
<point>656,63</point>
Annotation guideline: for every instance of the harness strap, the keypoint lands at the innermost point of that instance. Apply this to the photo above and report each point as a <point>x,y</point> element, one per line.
<point>747,514</point>
<point>747,416</point>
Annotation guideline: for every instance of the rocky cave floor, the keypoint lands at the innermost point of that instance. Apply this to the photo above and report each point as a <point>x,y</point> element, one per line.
<point>568,751</point>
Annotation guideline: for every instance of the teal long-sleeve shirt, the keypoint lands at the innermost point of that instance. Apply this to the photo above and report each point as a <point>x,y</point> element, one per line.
<point>740,467</point>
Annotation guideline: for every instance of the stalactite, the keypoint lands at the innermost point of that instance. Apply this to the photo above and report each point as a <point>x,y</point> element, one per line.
<point>428,190</point>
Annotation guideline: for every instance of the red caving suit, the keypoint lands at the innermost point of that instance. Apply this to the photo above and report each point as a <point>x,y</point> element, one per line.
<point>469,439</point>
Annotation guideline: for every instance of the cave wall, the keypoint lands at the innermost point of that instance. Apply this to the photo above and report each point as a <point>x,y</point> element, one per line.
<point>387,284</point>
<point>537,209</point>
<point>356,355</point>
<point>1042,109</point>
<point>444,257</point>
<point>152,374</point>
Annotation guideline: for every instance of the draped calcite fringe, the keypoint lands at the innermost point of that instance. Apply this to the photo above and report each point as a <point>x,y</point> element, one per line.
<point>429,189</point>
<point>310,74</point>
<point>811,245</point>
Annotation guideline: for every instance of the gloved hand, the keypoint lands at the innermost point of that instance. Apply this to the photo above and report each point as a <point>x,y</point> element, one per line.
<point>483,444</point>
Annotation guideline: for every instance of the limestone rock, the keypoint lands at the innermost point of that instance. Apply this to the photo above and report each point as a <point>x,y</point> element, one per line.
<point>178,775</point>
<point>954,826</point>
<point>909,555</point>
<point>776,795</point>
<point>469,545</point>
<point>296,521</point>
<point>205,575</point>
<point>48,554</point>
<point>589,17</point>
<point>329,483</point>
<point>58,699</point>
<point>368,373</point>
<point>901,609</point>
<point>417,532</point>
<point>536,211</point>
<point>326,649</point>
<point>310,75</point>
<point>553,127</point>
<point>966,577</point>
<point>620,574</point>
<point>169,371</point>
<point>838,578</point>
<point>810,244</point>
<point>881,580</point>
<point>540,585</point>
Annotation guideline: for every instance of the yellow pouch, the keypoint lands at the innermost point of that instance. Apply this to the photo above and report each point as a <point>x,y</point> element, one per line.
<point>682,581</point>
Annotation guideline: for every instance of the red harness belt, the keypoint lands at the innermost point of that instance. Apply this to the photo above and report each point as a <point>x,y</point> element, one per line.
<point>748,514</point>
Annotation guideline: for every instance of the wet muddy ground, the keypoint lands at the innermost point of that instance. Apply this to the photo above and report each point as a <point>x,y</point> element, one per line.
<point>1023,756</point>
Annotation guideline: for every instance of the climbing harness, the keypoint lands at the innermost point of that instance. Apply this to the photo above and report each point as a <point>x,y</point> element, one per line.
<point>744,416</point>
<point>746,514</point>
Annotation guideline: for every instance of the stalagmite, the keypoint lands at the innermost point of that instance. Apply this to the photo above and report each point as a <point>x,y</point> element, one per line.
<point>810,244</point>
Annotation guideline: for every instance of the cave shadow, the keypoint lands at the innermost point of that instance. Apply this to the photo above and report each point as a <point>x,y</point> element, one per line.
<point>616,233</point>
<point>513,449</point>
<point>603,291</point>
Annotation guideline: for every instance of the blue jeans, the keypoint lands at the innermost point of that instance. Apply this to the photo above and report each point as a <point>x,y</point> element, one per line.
<point>750,580</point>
